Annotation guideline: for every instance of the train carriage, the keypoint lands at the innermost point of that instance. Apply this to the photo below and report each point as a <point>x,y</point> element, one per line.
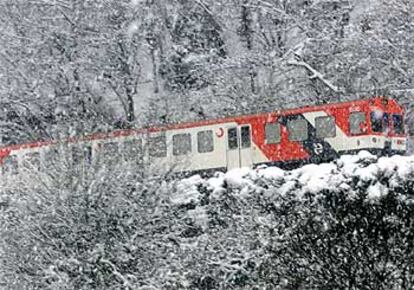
<point>286,138</point>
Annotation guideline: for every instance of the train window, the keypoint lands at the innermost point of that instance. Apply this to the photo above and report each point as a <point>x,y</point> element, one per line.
<point>87,154</point>
<point>205,141</point>
<point>232,138</point>
<point>181,144</point>
<point>245,137</point>
<point>110,149</point>
<point>81,155</point>
<point>378,120</point>
<point>32,161</point>
<point>357,122</point>
<point>272,132</point>
<point>325,127</point>
<point>51,157</point>
<point>132,149</point>
<point>10,165</point>
<point>398,124</point>
<point>109,152</point>
<point>76,155</point>
<point>298,129</point>
<point>158,146</point>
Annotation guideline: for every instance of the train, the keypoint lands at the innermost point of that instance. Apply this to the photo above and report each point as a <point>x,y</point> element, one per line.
<point>285,138</point>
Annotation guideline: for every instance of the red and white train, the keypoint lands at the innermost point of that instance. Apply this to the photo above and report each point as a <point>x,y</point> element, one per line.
<point>288,137</point>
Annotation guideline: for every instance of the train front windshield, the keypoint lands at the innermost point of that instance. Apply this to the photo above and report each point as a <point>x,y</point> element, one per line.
<point>398,124</point>
<point>382,122</point>
<point>379,121</point>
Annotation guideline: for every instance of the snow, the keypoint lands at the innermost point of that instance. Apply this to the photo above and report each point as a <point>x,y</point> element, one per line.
<point>378,115</point>
<point>338,176</point>
<point>215,184</point>
<point>315,178</point>
<point>376,191</point>
<point>236,178</point>
<point>187,190</point>
<point>132,29</point>
<point>199,216</point>
<point>271,173</point>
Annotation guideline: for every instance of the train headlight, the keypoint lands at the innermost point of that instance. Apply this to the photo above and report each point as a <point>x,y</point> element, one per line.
<point>374,139</point>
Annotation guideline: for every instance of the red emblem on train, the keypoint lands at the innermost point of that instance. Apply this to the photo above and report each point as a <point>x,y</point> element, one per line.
<point>220,132</point>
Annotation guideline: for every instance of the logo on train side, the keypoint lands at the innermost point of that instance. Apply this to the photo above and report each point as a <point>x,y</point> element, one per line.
<point>220,132</point>
<point>318,148</point>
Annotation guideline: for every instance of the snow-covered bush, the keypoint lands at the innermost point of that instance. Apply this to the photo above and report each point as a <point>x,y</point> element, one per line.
<point>95,229</point>
<point>343,225</point>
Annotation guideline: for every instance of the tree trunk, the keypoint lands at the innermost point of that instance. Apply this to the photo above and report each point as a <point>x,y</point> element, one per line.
<point>246,33</point>
<point>130,113</point>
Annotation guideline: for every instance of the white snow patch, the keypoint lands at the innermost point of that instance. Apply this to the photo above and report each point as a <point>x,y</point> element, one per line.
<point>236,178</point>
<point>315,178</point>
<point>377,191</point>
<point>271,173</point>
<point>136,2</point>
<point>132,29</point>
<point>187,190</point>
<point>199,217</point>
<point>334,176</point>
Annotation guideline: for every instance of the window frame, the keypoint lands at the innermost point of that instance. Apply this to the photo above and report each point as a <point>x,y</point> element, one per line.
<point>132,147</point>
<point>289,128</point>
<point>107,145</point>
<point>87,153</point>
<point>279,135</point>
<point>211,148</point>
<point>152,140</point>
<point>81,154</point>
<point>109,152</point>
<point>384,121</point>
<point>399,132</point>
<point>177,148</point>
<point>231,141</point>
<point>317,128</point>
<point>360,132</point>
<point>243,143</point>
<point>76,155</point>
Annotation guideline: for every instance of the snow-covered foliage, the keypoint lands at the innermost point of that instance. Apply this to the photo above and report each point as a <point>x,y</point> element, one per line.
<point>343,225</point>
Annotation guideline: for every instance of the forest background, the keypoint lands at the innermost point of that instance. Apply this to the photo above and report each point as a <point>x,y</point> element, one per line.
<point>81,66</point>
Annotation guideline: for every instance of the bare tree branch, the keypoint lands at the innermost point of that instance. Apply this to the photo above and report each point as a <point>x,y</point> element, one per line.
<point>315,74</point>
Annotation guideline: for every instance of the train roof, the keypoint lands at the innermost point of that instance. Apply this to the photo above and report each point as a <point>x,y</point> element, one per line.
<point>375,101</point>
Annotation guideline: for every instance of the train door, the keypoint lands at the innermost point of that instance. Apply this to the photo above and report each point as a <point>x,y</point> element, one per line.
<point>239,147</point>
<point>246,159</point>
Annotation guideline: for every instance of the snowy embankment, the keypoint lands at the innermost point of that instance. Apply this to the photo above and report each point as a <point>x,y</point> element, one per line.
<point>379,176</point>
